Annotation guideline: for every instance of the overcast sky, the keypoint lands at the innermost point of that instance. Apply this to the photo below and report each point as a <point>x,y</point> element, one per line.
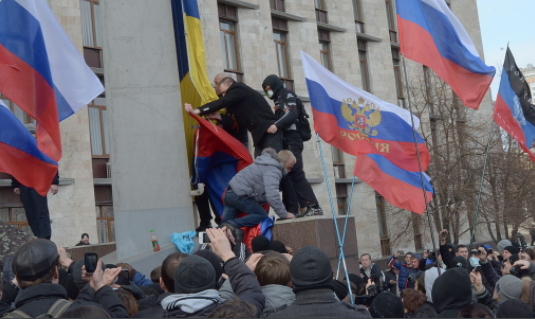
<point>505,21</point>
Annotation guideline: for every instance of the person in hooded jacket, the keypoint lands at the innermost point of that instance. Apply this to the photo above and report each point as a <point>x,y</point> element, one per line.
<point>255,185</point>
<point>296,189</point>
<point>451,292</point>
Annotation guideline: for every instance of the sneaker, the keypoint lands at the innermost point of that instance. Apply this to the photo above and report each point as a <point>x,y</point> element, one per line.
<point>313,211</point>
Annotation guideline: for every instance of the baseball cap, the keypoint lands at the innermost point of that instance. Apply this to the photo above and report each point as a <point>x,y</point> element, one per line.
<point>35,259</point>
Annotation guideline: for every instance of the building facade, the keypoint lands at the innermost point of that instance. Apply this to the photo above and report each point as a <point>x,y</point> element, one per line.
<point>358,40</point>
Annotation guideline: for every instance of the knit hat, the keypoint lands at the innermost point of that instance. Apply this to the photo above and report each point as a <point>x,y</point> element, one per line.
<point>503,243</point>
<point>194,274</point>
<point>278,246</point>
<point>512,249</point>
<point>387,305</point>
<point>310,267</point>
<point>212,259</point>
<point>513,308</point>
<point>260,243</point>
<point>459,261</point>
<point>35,259</point>
<point>508,287</point>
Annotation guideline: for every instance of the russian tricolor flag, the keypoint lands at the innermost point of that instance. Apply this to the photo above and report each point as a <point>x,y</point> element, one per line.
<point>41,70</point>
<point>432,35</point>
<point>513,110</point>
<point>18,149</point>
<point>399,187</point>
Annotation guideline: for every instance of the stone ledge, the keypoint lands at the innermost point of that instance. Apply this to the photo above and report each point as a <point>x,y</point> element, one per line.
<point>78,252</point>
<point>367,37</point>
<point>62,182</point>
<point>329,27</point>
<point>240,4</point>
<point>286,16</point>
<point>102,181</point>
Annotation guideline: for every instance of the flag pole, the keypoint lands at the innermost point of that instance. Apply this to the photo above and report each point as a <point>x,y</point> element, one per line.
<point>473,234</point>
<point>418,155</point>
<point>345,224</point>
<point>340,243</point>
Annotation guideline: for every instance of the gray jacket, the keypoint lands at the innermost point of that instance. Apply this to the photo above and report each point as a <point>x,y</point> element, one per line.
<point>261,180</point>
<point>277,296</point>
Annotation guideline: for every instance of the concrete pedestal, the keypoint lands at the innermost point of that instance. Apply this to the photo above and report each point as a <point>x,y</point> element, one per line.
<point>320,232</point>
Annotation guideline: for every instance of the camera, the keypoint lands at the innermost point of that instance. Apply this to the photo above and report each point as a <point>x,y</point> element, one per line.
<point>203,238</point>
<point>90,262</point>
<point>123,278</point>
<point>515,271</point>
<point>412,279</point>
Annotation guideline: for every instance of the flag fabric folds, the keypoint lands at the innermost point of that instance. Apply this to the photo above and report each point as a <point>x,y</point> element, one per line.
<point>219,156</point>
<point>195,87</point>
<point>41,70</point>
<point>20,157</point>
<point>399,187</point>
<point>513,110</point>
<point>358,123</point>
<point>432,35</point>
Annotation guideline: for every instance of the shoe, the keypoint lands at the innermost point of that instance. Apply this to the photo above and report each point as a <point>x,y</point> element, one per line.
<point>313,211</point>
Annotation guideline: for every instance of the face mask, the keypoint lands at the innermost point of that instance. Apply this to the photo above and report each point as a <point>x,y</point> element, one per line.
<point>269,93</point>
<point>474,262</point>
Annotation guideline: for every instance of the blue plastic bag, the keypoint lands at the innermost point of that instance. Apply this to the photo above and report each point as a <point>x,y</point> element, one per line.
<point>184,241</point>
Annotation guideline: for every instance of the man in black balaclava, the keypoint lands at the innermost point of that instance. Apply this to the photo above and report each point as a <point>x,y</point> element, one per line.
<point>296,190</point>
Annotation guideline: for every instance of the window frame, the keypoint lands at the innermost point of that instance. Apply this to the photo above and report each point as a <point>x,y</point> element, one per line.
<point>364,65</point>
<point>390,15</point>
<point>274,5</point>
<point>380,204</point>
<point>11,106</point>
<point>396,61</point>
<point>93,24</point>
<point>105,147</point>
<point>358,16</point>
<point>284,44</point>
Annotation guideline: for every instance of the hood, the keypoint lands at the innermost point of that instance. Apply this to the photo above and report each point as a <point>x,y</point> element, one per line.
<point>452,290</point>
<point>277,296</point>
<point>191,303</point>
<point>275,83</point>
<point>431,275</point>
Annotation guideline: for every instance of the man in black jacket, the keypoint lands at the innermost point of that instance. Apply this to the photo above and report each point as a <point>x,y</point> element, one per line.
<point>35,266</point>
<point>249,108</point>
<point>296,189</point>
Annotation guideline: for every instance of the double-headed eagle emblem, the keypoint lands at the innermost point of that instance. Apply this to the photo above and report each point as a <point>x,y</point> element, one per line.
<point>361,116</point>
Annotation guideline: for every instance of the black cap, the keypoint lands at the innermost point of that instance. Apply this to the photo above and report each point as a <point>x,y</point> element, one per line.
<point>310,266</point>
<point>260,243</point>
<point>194,274</point>
<point>459,261</point>
<point>278,246</point>
<point>212,259</point>
<point>512,249</point>
<point>387,305</point>
<point>35,259</point>
<point>513,308</point>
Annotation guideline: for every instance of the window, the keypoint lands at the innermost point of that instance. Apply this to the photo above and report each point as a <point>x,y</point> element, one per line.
<point>280,36</point>
<point>277,5</point>
<point>364,69</point>
<point>380,204</point>
<point>397,76</point>
<point>98,128</point>
<point>321,11</point>
<point>359,18</point>
<point>341,198</point>
<point>390,14</point>
<point>338,163</point>
<point>228,18</point>
<point>325,48</point>
<point>92,32</point>
<point>19,113</point>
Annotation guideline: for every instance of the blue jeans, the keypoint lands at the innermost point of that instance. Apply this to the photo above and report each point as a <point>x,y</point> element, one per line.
<point>235,203</point>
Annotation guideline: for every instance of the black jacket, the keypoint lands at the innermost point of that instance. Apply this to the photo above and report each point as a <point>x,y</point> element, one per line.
<point>249,108</point>
<point>425,311</point>
<point>15,183</point>
<point>451,292</point>
<point>37,300</point>
<point>154,312</point>
<point>285,100</point>
<point>319,303</point>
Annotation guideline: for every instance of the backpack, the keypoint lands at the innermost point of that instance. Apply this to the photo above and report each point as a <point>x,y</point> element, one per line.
<point>56,310</point>
<point>303,125</point>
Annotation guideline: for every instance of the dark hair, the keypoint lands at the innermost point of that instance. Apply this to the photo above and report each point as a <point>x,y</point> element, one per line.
<point>421,282</point>
<point>86,312</point>
<point>366,254</point>
<point>85,235</point>
<point>235,308</point>
<point>155,274</point>
<point>273,269</point>
<point>45,279</point>
<point>128,300</point>
<point>278,246</point>
<point>459,247</point>
<point>168,270</point>
<point>475,310</point>
<point>531,253</point>
<point>413,299</point>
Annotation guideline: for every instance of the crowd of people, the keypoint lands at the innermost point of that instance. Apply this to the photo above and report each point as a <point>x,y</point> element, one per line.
<point>273,281</point>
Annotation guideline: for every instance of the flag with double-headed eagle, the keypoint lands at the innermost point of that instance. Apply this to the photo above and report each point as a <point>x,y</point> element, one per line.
<point>380,134</point>
<point>359,123</point>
